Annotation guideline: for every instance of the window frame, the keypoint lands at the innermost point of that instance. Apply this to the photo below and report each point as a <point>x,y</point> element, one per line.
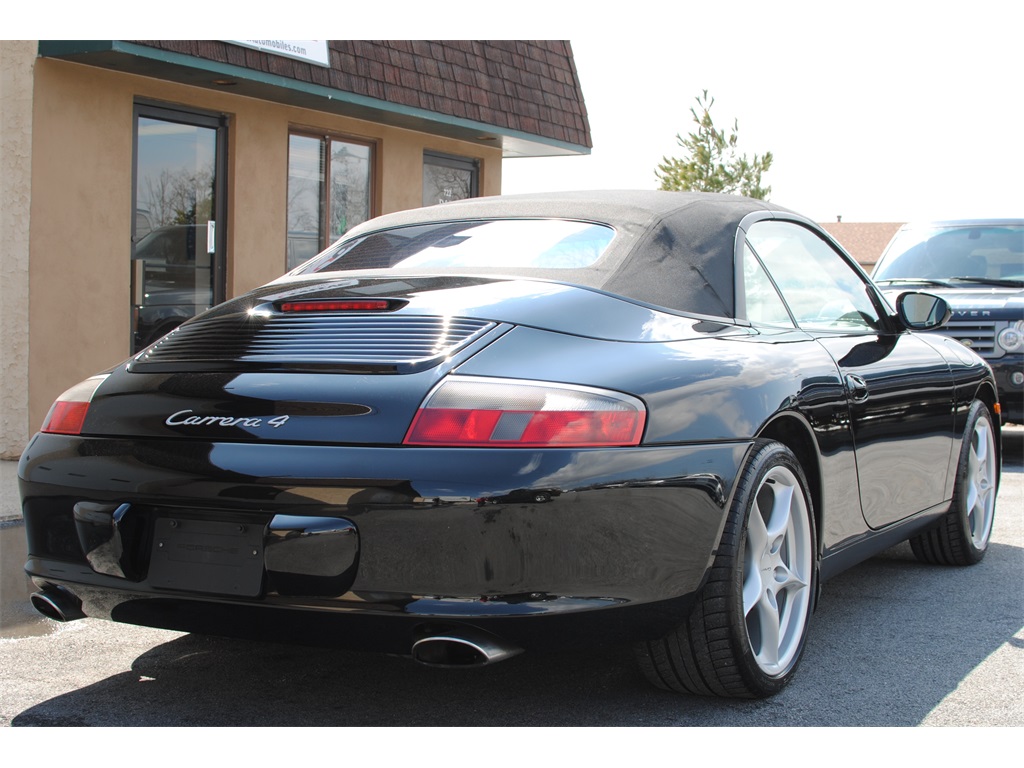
<point>886,321</point>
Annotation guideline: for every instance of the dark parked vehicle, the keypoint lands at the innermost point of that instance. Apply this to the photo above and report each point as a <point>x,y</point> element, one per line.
<point>519,423</point>
<point>978,267</point>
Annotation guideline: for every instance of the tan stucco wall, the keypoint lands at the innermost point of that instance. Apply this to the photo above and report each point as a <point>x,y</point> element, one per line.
<point>81,205</point>
<point>16,60</point>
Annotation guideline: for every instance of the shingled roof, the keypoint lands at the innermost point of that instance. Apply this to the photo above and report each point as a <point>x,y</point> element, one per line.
<point>524,94</point>
<point>865,241</point>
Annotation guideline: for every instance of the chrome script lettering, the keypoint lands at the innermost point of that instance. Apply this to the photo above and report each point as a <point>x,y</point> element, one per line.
<point>184,419</point>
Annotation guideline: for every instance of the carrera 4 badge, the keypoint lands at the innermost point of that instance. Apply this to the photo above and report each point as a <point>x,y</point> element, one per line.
<point>188,418</point>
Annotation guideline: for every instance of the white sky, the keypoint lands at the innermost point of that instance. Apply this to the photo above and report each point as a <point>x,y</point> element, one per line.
<point>875,111</point>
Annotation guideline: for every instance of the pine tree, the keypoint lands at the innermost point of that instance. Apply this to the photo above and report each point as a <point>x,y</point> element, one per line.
<point>711,163</point>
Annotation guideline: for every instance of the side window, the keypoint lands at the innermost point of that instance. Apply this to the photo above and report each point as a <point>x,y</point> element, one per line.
<point>764,306</point>
<point>821,289</point>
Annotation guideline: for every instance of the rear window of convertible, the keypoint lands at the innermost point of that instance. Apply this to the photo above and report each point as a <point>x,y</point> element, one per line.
<point>504,244</point>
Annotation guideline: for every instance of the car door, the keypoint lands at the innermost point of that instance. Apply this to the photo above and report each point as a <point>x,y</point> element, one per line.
<point>898,387</point>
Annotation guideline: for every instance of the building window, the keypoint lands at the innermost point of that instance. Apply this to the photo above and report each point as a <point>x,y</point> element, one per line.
<point>329,192</point>
<point>447,178</point>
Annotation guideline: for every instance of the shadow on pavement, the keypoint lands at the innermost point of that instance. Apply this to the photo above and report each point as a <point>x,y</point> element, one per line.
<point>891,639</point>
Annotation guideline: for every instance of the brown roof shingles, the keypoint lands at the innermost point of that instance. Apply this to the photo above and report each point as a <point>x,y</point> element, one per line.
<point>530,86</point>
<point>865,241</point>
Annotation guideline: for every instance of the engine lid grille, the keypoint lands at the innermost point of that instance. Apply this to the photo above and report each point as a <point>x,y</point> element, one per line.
<point>311,341</point>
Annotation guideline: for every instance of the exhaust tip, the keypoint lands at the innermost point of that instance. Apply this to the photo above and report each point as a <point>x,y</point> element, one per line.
<point>57,604</point>
<point>462,648</point>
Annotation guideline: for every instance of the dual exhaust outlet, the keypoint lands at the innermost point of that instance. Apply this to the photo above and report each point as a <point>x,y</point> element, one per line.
<point>454,647</point>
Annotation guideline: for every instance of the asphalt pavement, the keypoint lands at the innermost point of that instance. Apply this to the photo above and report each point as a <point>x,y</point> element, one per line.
<point>893,643</point>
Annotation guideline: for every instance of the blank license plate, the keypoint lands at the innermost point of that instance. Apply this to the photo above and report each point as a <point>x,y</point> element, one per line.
<point>207,556</point>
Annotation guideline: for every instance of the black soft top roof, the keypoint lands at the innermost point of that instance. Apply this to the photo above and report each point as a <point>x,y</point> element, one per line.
<point>671,249</point>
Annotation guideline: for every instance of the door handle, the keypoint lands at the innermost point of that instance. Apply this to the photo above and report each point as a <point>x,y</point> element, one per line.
<point>857,387</point>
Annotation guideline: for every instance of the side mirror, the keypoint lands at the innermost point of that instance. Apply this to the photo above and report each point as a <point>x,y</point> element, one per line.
<point>922,311</point>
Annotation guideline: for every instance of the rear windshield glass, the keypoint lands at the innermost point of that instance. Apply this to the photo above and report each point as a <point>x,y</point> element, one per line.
<point>509,244</point>
<point>982,253</point>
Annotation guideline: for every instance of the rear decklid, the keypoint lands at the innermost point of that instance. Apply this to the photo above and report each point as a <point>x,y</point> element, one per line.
<point>310,361</point>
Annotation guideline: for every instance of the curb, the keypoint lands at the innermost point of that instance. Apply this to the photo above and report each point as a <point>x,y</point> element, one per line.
<point>10,501</point>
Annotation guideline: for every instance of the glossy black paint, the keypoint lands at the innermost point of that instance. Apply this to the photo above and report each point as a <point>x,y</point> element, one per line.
<point>994,307</point>
<point>355,536</point>
<point>448,541</point>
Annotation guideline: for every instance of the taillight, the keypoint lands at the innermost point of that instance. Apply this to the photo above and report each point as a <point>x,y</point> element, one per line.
<point>508,413</point>
<point>67,414</point>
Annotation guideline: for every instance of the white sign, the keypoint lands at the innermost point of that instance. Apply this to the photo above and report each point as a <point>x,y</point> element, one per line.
<point>312,51</point>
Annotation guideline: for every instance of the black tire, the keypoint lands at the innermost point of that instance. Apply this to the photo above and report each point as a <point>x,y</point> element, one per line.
<point>722,649</point>
<point>961,536</point>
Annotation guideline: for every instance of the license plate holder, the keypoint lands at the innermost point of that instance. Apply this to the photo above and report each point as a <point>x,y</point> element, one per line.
<point>210,556</point>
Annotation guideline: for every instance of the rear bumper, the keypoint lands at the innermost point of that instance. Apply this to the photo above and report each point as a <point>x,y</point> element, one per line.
<point>380,627</point>
<point>378,543</point>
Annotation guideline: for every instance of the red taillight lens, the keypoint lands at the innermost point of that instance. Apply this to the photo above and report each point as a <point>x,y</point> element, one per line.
<point>66,418</point>
<point>67,415</point>
<point>506,413</point>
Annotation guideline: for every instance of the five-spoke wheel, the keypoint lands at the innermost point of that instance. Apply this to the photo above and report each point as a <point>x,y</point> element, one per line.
<point>749,623</point>
<point>777,571</point>
<point>961,536</point>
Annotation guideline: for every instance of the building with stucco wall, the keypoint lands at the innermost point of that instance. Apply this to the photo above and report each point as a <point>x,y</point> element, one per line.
<point>144,181</point>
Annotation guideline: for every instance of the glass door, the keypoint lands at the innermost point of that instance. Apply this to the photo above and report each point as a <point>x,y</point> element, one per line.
<point>178,235</point>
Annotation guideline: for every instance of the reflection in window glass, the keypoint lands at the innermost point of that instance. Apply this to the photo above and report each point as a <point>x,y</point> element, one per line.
<point>349,198</point>
<point>329,187</point>
<point>980,253</point>
<point>174,253</point>
<point>821,289</point>
<point>764,305</point>
<point>305,180</point>
<point>447,178</point>
<point>500,244</point>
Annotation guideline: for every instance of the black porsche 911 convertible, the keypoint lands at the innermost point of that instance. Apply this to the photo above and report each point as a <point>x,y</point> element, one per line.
<point>517,423</point>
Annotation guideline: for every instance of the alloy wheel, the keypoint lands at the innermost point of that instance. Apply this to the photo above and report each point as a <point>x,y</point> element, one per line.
<point>777,571</point>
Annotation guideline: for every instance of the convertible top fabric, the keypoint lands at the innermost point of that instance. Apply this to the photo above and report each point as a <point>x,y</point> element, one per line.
<point>671,249</point>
